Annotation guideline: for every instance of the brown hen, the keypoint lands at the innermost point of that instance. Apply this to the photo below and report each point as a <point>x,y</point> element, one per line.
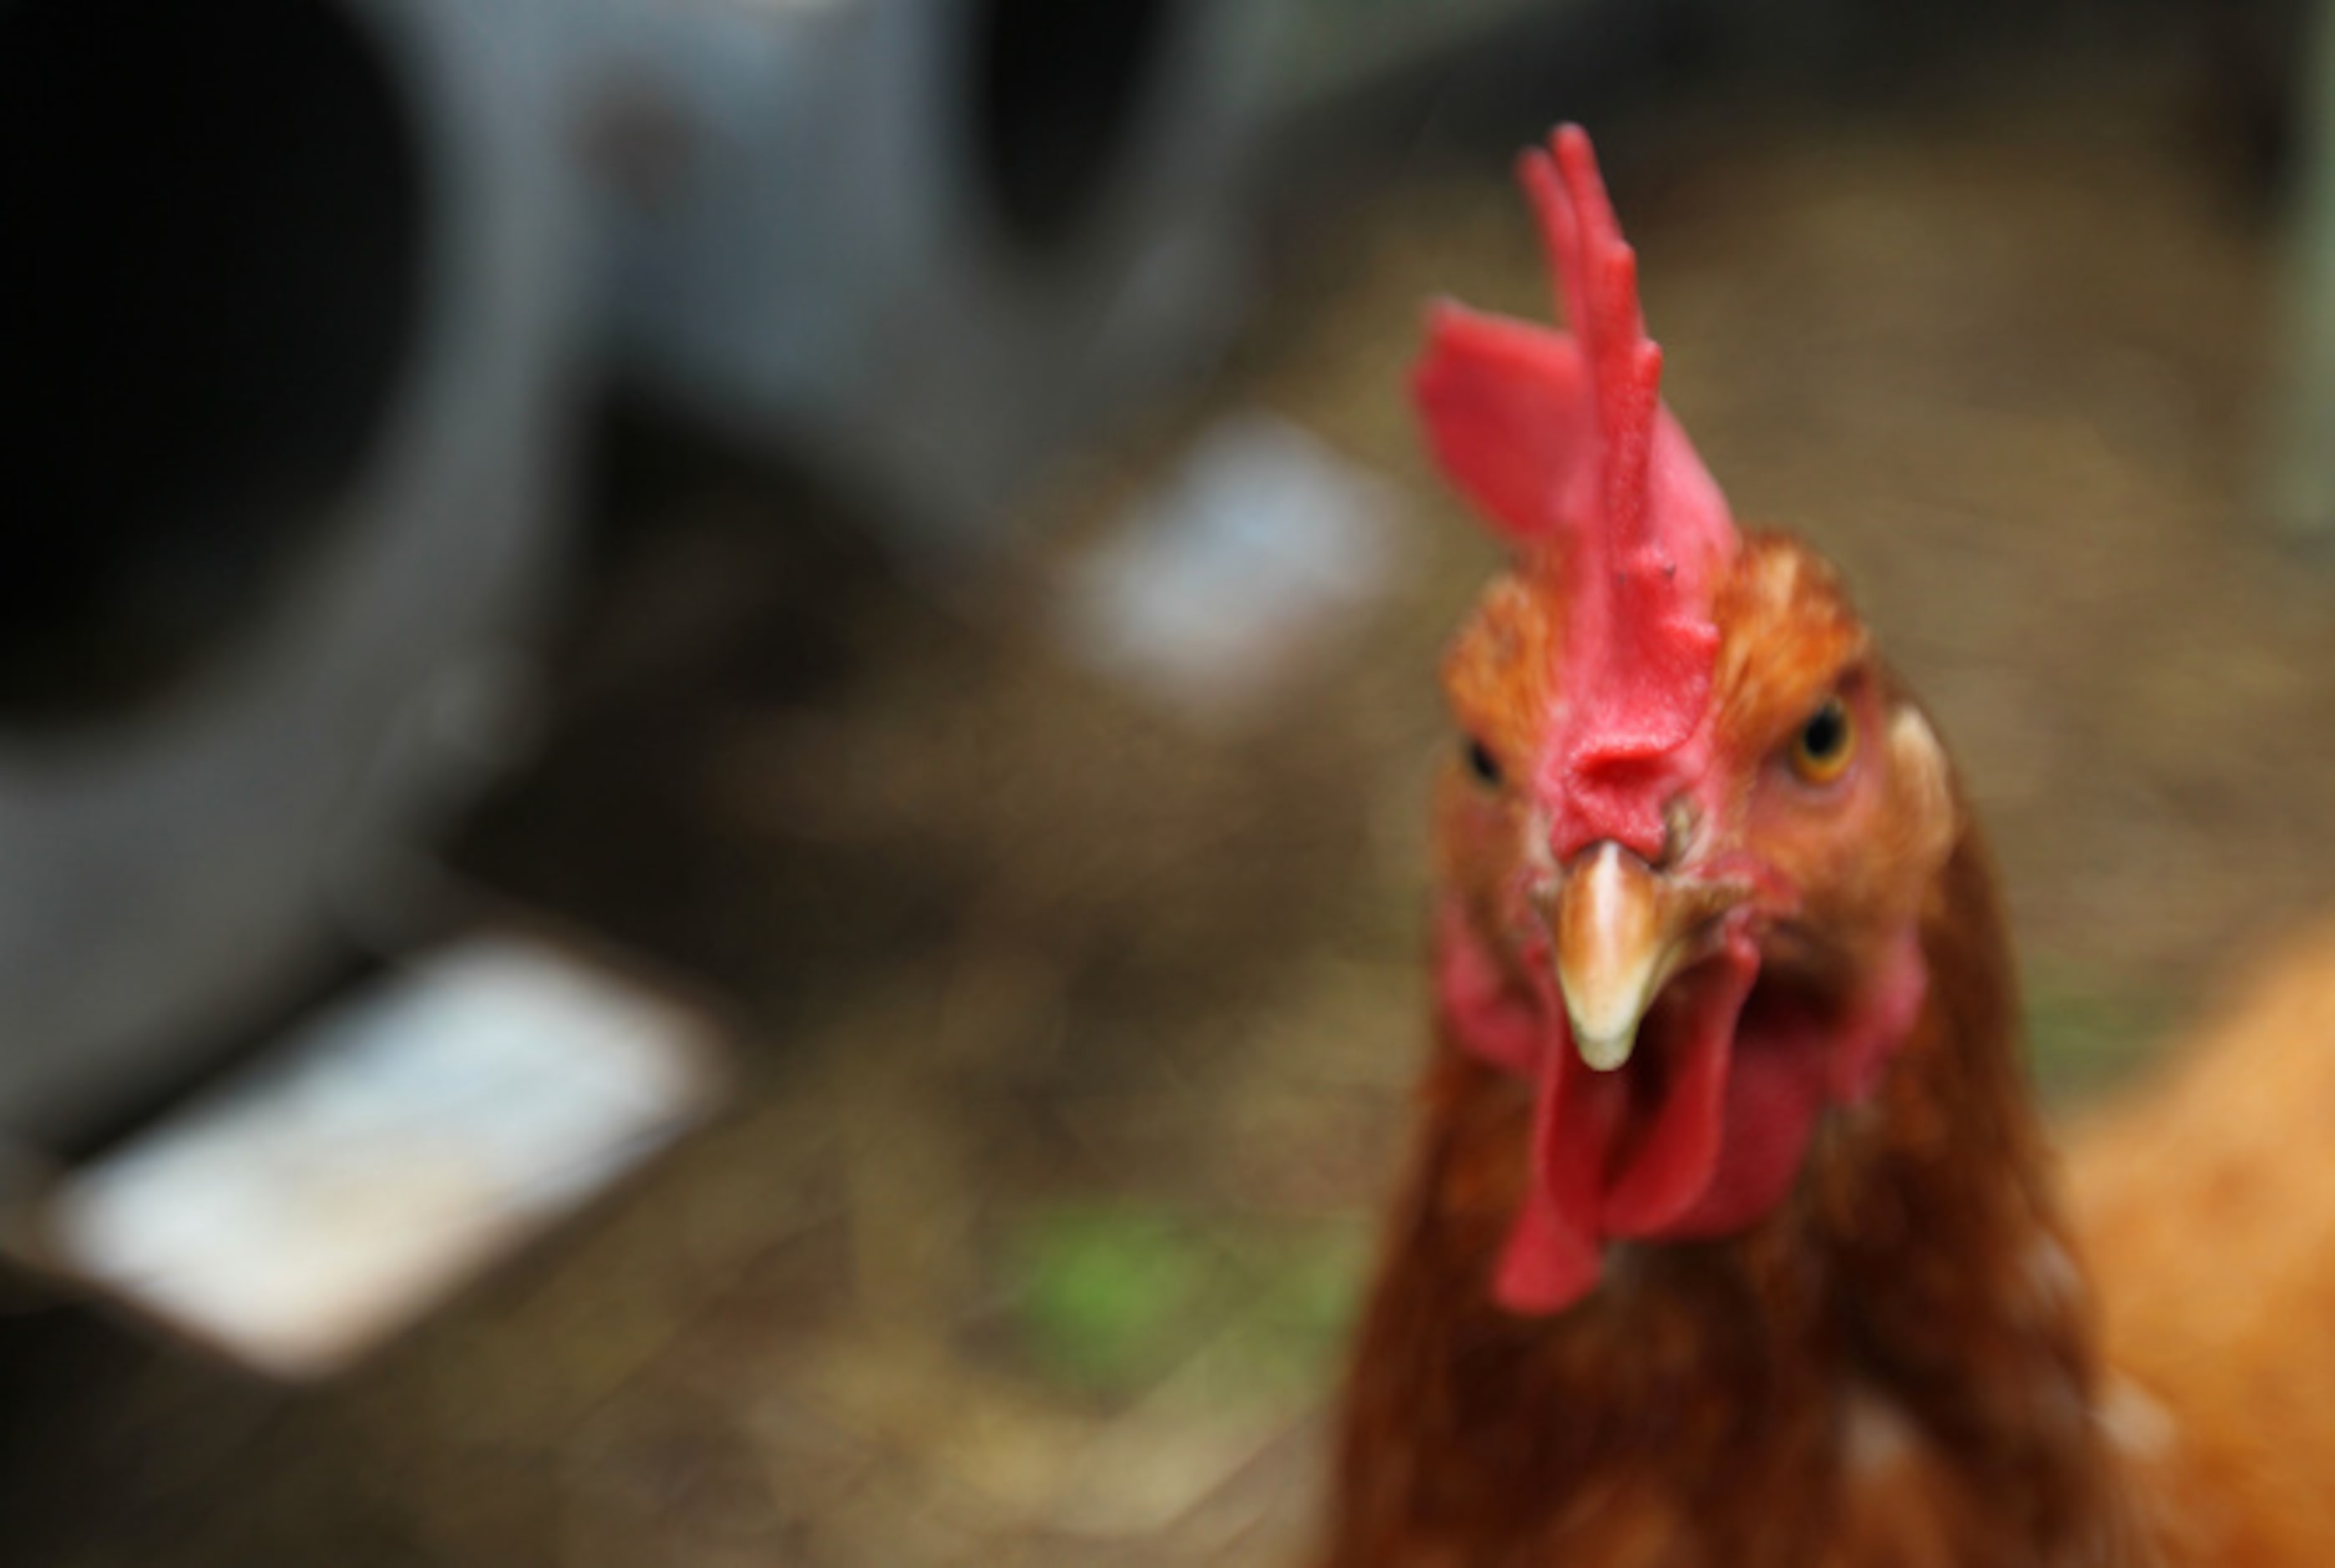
<point>1732,1235</point>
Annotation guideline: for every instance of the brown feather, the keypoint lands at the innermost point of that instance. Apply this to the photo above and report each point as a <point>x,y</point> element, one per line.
<point>1896,1367</point>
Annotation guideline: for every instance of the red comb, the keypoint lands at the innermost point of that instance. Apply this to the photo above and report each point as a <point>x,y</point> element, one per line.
<point>1562,437</point>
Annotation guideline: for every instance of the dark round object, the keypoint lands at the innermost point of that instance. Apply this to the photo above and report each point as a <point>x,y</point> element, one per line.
<point>209,294</point>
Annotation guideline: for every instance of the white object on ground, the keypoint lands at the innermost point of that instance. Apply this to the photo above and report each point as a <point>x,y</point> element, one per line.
<point>399,1143</point>
<point>1217,589</point>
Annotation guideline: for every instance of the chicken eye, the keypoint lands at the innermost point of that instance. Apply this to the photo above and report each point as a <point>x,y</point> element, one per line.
<point>1483,764</point>
<point>1821,751</point>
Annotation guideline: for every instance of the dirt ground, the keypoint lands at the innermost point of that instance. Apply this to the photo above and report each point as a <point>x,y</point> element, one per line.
<point>1077,1034</point>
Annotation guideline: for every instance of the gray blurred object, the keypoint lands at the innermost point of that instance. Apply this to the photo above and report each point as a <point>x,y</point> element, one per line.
<point>925,243</point>
<point>296,302</point>
<point>298,298</point>
<point>1216,594</point>
<point>286,330</point>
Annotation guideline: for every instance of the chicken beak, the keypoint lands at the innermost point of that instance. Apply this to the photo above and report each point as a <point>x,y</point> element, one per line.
<point>1622,930</point>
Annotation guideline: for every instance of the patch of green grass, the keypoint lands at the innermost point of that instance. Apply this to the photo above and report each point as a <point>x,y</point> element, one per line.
<point>1105,1297</point>
<point>1110,1298</point>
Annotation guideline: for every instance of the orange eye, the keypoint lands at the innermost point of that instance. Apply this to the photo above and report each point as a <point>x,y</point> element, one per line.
<point>1822,750</point>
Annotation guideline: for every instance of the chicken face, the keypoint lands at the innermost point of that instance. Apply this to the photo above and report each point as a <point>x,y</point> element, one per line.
<point>1688,1005</point>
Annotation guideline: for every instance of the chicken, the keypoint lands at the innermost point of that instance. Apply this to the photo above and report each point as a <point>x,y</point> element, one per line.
<point>2206,1207</point>
<point>1733,1235</point>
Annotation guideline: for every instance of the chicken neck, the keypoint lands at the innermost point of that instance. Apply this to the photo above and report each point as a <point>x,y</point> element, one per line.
<point>1908,1327</point>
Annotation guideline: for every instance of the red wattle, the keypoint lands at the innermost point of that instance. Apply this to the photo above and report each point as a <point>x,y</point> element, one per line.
<point>1773,1098</point>
<point>1671,1166</point>
<point>1480,1006</point>
<point>1556,1252</point>
<point>1703,1146</point>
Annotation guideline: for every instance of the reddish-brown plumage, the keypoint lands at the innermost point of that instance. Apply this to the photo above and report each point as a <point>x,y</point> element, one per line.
<point>1889,1368</point>
<point>1731,1237</point>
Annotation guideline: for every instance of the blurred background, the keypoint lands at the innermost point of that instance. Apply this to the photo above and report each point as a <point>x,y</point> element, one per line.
<point>899,520</point>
